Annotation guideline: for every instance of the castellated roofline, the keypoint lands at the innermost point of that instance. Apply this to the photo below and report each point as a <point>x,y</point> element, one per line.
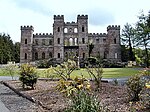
<point>82,17</point>
<point>58,17</point>
<point>113,27</point>
<point>71,23</point>
<point>27,27</point>
<point>43,34</point>
<point>98,34</point>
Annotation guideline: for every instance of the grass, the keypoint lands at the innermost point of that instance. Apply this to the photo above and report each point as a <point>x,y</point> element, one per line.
<point>107,72</point>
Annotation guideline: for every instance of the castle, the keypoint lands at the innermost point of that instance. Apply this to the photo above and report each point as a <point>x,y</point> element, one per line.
<point>69,40</point>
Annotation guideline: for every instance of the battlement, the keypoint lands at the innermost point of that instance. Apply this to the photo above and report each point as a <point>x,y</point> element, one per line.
<point>58,17</point>
<point>97,34</point>
<point>71,23</point>
<point>82,17</point>
<point>43,35</point>
<point>27,27</point>
<point>113,27</point>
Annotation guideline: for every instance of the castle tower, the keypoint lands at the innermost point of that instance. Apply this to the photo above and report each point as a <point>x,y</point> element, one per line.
<point>82,21</point>
<point>26,44</point>
<point>58,32</point>
<point>114,43</point>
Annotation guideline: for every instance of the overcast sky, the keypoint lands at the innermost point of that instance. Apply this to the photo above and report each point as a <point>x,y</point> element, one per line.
<point>39,13</point>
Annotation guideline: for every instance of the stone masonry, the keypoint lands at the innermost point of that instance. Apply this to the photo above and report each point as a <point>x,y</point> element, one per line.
<point>69,40</point>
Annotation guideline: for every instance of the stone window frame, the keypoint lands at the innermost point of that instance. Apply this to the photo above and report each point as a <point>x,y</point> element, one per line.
<point>58,29</point>
<point>115,41</point>
<point>83,55</point>
<point>43,55</point>
<point>58,55</point>
<point>65,30</point>
<point>83,29</point>
<point>75,30</point>
<point>58,40</point>
<point>25,56</point>
<point>36,55</point>
<point>26,41</point>
<point>83,40</point>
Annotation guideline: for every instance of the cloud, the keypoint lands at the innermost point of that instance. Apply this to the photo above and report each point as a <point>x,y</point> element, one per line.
<point>100,17</point>
<point>33,5</point>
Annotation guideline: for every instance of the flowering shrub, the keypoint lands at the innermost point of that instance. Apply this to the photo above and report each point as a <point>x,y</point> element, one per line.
<point>28,75</point>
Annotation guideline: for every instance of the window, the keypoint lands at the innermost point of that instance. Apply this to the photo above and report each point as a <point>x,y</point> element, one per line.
<point>105,55</point>
<point>58,55</point>
<point>75,30</point>
<point>58,29</point>
<point>104,40</point>
<point>70,41</point>
<point>50,42</point>
<point>50,55</point>
<point>58,40</point>
<point>65,30</point>
<point>116,55</point>
<point>25,41</point>
<point>76,41</point>
<point>83,40</point>
<point>25,56</point>
<point>36,56</point>
<point>82,28</point>
<point>43,55</point>
<point>43,41</point>
<point>115,41</point>
<point>83,55</point>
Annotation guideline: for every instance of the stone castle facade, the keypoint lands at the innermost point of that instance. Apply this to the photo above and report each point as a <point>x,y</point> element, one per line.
<point>68,41</point>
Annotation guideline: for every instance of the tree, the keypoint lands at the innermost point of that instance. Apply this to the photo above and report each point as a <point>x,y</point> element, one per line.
<point>128,37</point>
<point>143,34</point>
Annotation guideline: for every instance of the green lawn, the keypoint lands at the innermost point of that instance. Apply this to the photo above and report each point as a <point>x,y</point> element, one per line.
<point>107,72</point>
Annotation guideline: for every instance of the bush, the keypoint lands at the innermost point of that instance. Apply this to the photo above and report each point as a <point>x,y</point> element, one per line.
<point>85,102</point>
<point>28,75</point>
<point>135,86</point>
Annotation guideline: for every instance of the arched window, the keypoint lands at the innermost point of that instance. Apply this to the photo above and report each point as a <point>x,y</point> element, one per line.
<point>25,56</point>
<point>83,41</point>
<point>82,28</point>
<point>50,54</point>
<point>36,56</point>
<point>76,41</point>
<point>115,41</point>
<point>43,55</point>
<point>71,41</point>
<point>58,29</point>
<point>58,40</point>
<point>25,41</point>
<point>65,30</point>
<point>75,30</point>
<point>58,55</point>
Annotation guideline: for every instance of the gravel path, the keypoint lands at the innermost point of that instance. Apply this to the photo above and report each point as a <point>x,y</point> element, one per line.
<point>16,103</point>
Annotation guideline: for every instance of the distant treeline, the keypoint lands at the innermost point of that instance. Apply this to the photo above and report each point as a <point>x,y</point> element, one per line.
<point>9,51</point>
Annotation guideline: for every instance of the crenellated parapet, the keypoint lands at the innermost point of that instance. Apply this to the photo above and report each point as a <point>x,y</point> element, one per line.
<point>97,34</point>
<point>58,17</point>
<point>70,23</point>
<point>113,27</point>
<point>27,27</point>
<point>82,17</point>
<point>43,35</point>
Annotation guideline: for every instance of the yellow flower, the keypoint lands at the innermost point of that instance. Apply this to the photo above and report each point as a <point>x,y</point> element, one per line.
<point>88,86</point>
<point>80,86</point>
<point>147,85</point>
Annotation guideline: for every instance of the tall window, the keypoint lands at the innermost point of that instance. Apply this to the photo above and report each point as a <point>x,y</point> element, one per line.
<point>25,41</point>
<point>50,55</point>
<point>115,41</point>
<point>83,40</point>
<point>36,56</point>
<point>75,30</point>
<point>36,42</point>
<point>82,28</point>
<point>97,41</point>
<point>58,40</point>
<point>25,56</point>
<point>65,30</point>
<point>50,42</point>
<point>43,41</point>
<point>58,29</point>
<point>58,55</point>
<point>116,55</point>
<point>83,55</point>
<point>43,55</point>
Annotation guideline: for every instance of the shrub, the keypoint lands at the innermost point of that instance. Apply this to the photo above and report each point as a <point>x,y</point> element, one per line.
<point>28,75</point>
<point>135,85</point>
<point>85,102</point>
